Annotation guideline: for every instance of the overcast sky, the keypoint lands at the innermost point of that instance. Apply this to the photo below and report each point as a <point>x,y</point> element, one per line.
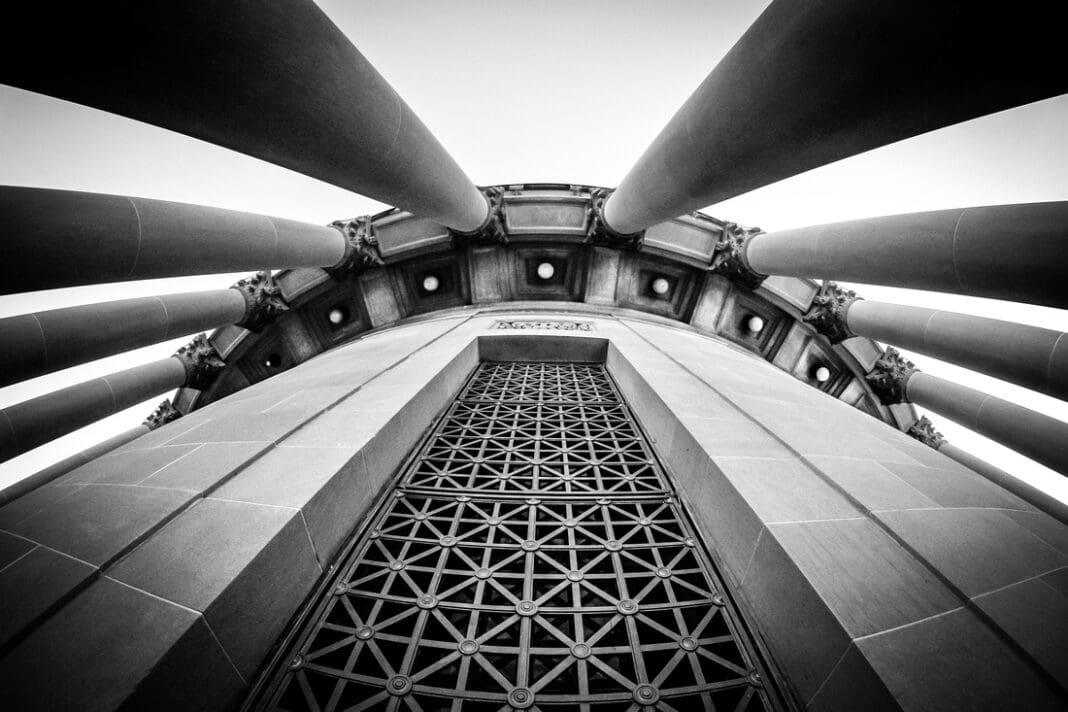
<point>536,91</point>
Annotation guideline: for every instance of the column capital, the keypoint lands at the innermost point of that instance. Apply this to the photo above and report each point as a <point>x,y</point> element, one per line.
<point>263,301</point>
<point>492,229</point>
<point>361,245</point>
<point>201,361</point>
<point>924,431</point>
<point>599,232</point>
<point>890,375</point>
<point>164,413</point>
<point>729,260</point>
<point>828,313</point>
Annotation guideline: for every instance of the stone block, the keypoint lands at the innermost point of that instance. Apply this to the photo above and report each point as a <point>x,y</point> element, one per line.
<point>246,567</point>
<point>865,578</point>
<point>12,548</point>
<point>206,467</point>
<point>956,488</point>
<point>1043,526</point>
<point>114,646</point>
<point>730,526</point>
<point>328,485</point>
<point>871,483</point>
<point>99,522</point>
<point>263,428</point>
<point>978,550</point>
<point>33,584</point>
<point>33,502</point>
<point>128,467</point>
<point>955,662</point>
<point>1035,615</point>
<point>735,437</point>
<point>784,490</point>
<point>806,638</point>
<point>852,685</point>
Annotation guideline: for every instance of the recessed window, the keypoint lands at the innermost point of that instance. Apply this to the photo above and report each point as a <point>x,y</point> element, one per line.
<point>546,271</point>
<point>273,361</point>
<point>822,374</point>
<point>660,286</point>
<point>431,283</point>
<point>754,324</point>
<point>338,316</point>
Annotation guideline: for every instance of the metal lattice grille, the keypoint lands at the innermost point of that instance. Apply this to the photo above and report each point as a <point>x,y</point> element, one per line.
<point>533,557</point>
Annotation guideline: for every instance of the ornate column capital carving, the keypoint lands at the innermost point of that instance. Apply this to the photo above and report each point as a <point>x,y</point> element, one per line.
<point>890,375</point>
<point>201,361</point>
<point>923,430</point>
<point>164,413</point>
<point>361,245</point>
<point>828,313</point>
<point>493,228</point>
<point>729,259</point>
<point>598,231</point>
<point>263,301</point>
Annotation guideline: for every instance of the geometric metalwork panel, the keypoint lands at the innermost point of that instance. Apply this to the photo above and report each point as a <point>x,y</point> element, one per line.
<point>533,557</point>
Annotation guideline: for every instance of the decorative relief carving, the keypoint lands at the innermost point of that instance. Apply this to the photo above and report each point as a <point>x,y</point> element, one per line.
<point>201,361</point>
<point>890,376</point>
<point>729,259</point>
<point>493,229</point>
<point>828,313</point>
<point>263,301</point>
<point>164,413</point>
<point>361,244</point>
<point>598,231</point>
<point>557,324</point>
<point>923,430</point>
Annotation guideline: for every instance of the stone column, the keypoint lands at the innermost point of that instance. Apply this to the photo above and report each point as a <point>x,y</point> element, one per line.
<point>62,238</point>
<point>1028,356</point>
<point>814,82</point>
<point>39,343</point>
<point>275,80</point>
<point>1014,252</point>
<point>34,422</point>
<point>1029,433</point>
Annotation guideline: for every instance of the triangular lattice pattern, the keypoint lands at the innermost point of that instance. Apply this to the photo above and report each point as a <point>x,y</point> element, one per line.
<point>533,557</point>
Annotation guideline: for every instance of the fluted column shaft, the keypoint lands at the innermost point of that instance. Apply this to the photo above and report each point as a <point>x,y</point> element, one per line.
<point>275,80</point>
<point>61,238</point>
<point>1013,252</point>
<point>39,343</point>
<point>1029,356</point>
<point>26,425</point>
<point>1032,434</point>
<point>814,82</point>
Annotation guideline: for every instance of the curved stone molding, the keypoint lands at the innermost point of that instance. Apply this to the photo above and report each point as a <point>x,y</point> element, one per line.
<point>544,245</point>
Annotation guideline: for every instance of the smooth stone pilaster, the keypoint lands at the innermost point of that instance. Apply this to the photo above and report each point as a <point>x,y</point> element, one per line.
<point>1029,433</point>
<point>39,343</point>
<point>63,238</point>
<point>278,81</point>
<point>26,425</point>
<point>1013,252</point>
<point>814,82</point>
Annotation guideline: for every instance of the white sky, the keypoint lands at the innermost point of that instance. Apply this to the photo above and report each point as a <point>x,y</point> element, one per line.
<point>537,91</point>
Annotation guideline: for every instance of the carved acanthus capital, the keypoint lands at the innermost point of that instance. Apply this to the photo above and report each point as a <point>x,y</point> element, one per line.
<point>890,376</point>
<point>263,301</point>
<point>729,258</point>
<point>598,232</point>
<point>201,361</point>
<point>923,430</point>
<point>361,245</point>
<point>492,228</point>
<point>828,313</point>
<point>164,413</point>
